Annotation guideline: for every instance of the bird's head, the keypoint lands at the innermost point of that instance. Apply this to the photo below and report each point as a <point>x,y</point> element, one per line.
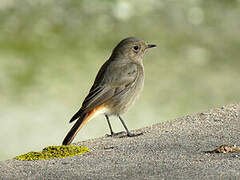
<point>131,48</point>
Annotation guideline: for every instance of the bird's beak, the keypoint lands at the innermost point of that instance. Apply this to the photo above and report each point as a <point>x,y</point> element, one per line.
<point>151,46</point>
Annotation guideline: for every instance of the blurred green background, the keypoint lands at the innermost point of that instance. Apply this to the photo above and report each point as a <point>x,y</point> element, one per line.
<point>50,51</point>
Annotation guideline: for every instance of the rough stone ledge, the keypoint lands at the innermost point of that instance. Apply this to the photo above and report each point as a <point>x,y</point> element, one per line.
<point>171,150</point>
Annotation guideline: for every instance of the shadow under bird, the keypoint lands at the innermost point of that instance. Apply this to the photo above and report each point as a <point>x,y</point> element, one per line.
<point>116,86</point>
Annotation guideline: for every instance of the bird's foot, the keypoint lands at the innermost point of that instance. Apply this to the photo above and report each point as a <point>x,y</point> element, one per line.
<point>132,135</point>
<point>113,134</point>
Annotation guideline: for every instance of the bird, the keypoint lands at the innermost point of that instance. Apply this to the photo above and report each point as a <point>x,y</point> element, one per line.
<point>116,87</point>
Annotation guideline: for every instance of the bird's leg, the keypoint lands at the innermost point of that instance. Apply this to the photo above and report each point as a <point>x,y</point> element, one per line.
<point>109,124</point>
<point>110,127</point>
<point>128,133</point>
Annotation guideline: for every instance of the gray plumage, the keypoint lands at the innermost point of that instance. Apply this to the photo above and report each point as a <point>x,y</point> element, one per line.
<point>117,84</point>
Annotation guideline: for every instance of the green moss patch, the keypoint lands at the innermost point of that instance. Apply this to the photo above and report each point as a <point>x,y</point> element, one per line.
<point>52,152</point>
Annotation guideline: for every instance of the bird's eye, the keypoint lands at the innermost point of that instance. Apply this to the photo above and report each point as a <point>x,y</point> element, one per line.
<point>135,48</point>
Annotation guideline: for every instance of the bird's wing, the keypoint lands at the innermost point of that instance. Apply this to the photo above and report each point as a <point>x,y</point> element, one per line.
<point>109,82</point>
<point>112,79</point>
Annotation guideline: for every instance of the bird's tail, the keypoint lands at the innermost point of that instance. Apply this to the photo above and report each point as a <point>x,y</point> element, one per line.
<point>82,120</point>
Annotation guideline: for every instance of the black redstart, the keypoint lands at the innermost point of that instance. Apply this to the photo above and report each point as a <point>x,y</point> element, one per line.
<point>116,87</point>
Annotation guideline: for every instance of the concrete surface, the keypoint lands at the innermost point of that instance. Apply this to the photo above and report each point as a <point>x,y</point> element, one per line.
<point>170,150</point>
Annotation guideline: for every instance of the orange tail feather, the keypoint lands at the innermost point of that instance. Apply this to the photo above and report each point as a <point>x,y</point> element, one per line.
<point>79,124</point>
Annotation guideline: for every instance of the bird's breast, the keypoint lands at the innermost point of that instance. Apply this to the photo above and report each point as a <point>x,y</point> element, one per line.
<point>127,97</point>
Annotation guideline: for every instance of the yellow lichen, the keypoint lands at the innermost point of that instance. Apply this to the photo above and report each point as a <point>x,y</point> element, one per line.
<point>52,152</point>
